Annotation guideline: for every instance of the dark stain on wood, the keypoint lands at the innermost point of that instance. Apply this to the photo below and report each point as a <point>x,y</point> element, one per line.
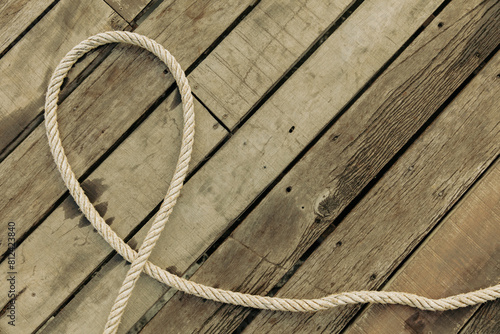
<point>196,13</point>
<point>70,208</point>
<point>415,324</point>
<point>84,222</point>
<point>173,270</point>
<point>102,208</point>
<point>110,220</point>
<point>94,188</point>
<point>175,101</point>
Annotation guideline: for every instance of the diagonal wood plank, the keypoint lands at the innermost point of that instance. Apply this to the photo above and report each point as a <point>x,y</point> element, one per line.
<point>26,69</point>
<point>129,9</point>
<point>399,211</point>
<point>105,105</point>
<point>251,165</point>
<point>16,16</point>
<point>485,321</point>
<point>461,255</point>
<point>341,164</point>
<point>138,170</point>
<point>258,52</point>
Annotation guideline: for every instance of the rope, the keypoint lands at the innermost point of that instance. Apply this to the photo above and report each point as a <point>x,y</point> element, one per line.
<point>139,260</point>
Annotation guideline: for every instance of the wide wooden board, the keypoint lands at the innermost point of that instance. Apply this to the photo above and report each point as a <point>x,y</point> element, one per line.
<point>410,199</point>
<point>461,255</point>
<point>338,167</point>
<point>26,69</point>
<point>104,106</point>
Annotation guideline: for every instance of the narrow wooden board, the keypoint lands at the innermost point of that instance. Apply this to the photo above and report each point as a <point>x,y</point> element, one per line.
<point>258,52</point>
<point>339,166</point>
<point>26,69</point>
<point>128,9</point>
<point>140,169</point>
<point>232,179</point>
<point>16,16</point>
<point>485,321</point>
<point>410,199</point>
<point>123,87</point>
<point>461,255</point>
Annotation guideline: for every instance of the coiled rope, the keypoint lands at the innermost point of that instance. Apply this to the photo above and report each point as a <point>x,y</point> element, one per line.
<point>139,260</point>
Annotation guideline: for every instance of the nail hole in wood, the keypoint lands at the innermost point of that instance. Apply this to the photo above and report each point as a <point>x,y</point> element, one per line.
<point>288,189</point>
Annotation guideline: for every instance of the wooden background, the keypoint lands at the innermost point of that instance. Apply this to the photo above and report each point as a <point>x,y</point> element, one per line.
<point>340,145</point>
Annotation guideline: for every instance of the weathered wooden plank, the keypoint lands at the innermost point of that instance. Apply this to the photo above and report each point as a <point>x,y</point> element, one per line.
<point>399,211</point>
<point>105,105</point>
<point>128,9</point>
<point>485,321</point>
<point>232,179</point>
<point>116,187</point>
<point>461,255</point>
<point>339,166</point>
<point>26,69</point>
<point>16,16</point>
<point>258,52</point>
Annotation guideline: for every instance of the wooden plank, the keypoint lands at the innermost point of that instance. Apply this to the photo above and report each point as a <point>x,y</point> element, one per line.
<point>128,9</point>
<point>148,154</point>
<point>26,69</point>
<point>461,255</point>
<point>96,114</point>
<point>232,179</point>
<point>485,321</point>
<point>258,52</point>
<point>341,164</point>
<point>399,211</point>
<point>16,16</point>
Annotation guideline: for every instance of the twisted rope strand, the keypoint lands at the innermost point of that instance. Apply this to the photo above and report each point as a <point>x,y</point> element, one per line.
<point>139,260</point>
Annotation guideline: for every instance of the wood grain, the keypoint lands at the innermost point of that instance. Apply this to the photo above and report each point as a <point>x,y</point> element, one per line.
<point>26,69</point>
<point>16,16</point>
<point>461,255</point>
<point>290,218</point>
<point>408,201</point>
<point>65,249</point>
<point>122,88</point>
<point>128,9</point>
<point>258,52</point>
<point>232,179</point>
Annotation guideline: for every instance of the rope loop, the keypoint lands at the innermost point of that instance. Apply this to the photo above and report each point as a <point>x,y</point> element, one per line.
<point>139,260</point>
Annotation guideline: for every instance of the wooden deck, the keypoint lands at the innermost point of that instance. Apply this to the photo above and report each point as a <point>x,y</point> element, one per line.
<point>340,145</point>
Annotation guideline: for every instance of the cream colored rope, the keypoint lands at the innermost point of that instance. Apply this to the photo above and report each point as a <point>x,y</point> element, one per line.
<point>139,259</point>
